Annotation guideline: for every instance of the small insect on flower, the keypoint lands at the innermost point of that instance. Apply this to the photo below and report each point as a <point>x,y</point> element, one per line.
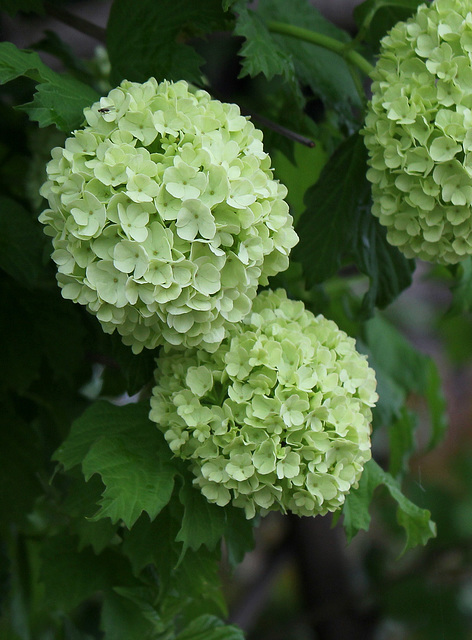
<point>165,215</point>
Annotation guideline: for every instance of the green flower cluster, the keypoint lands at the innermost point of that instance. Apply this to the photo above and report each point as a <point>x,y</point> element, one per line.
<point>419,133</point>
<point>277,418</point>
<point>165,216</point>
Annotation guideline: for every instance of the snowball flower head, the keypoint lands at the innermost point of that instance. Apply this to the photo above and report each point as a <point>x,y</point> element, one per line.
<point>278,418</point>
<point>419,133</point>
<point>164,215</point>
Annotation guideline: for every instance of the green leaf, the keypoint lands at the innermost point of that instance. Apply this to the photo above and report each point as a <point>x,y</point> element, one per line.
<point>128,615</point>
<point>69,576</point>
<point>391,398</point>
<point>27,6</point>
<point>80,505</point>
<point>59,99</point>
<point>203,523</point>
<point>332,211</point>
<point>260,51</point>
<point>436,404</point>
<point>239,535</point>
<point>130,455</point>
<point>21,461</point>
<point>325,72</point>
<point>135,478</point>
<point>298,175</point>
<point>388,269</point>
<point>198,575</point>
<point>147,41</point>
<point>337,227</point>
<point>21,243</point>
<point>376,17</point>
<point>462,288</point>
<point>300,63</point>
<point>100,419</point>
<point>210,628</point>
<point>20,350</point>
<point>154,543</point>
<point>395,356</point>
<point>401,441</point>
<point>416,522</point>
<point>402,369</point>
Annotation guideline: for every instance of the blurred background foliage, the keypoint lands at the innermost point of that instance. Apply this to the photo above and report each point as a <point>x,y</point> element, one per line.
<point>303,581</point>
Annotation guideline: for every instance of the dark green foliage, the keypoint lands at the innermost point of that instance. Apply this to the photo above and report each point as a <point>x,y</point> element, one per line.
<point>103,534</point>
<point>147,41</point>
<point>337,229</point>
<point>21,244</point>
<point>13,6</point>
<point>209,628</point>
<point>416,522</point>
<point>259,53</point>
<point>20,462</point>
<point>402,370</point>
<point>130,455</point>
<point>300,63</point>
<point>401,435</point>
<point>59,99</point>
<point>462,288</point>
<point>376,17</point>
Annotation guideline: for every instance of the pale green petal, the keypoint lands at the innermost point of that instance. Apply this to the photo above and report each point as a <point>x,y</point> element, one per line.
<point>170,193</point>
<point>267,443</point>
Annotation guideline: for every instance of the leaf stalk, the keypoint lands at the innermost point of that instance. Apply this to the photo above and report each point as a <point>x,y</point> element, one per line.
<point>321,40</point>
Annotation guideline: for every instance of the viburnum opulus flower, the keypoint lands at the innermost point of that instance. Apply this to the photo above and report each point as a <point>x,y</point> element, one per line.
<point>278,417</point>
<point>164,215</point>
<point>419,133</point>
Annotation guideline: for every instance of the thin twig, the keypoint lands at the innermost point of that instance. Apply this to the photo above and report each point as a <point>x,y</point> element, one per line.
<point>248,609</point>
<point>76,22</point>
<point>287,133</point>
<point>270,124</point>
<point>99,33</point>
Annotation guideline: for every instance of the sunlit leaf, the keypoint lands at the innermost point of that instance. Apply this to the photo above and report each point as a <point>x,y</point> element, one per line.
<point>133,460</point>
<point>415,521</point>
<point>59,99</point>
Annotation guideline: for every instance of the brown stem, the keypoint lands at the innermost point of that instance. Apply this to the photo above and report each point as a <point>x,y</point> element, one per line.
<point>247,611</point>
<point>287,133</point>
<point>270,124</point>
<point>334,609</point>
<point>76,22</point>
<point>99,33</point>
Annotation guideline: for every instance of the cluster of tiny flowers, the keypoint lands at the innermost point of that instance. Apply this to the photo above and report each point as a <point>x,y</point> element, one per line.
<point>278,418</point>
<point>419,133</point>
<point>165,216</point>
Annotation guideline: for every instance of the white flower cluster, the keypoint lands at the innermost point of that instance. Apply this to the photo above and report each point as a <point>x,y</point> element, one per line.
<point>165,216</point>
<point>419,133</point>
<point>277,418</point>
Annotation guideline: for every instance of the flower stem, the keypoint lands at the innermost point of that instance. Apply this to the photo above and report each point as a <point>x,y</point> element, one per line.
<point>341,48</point>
